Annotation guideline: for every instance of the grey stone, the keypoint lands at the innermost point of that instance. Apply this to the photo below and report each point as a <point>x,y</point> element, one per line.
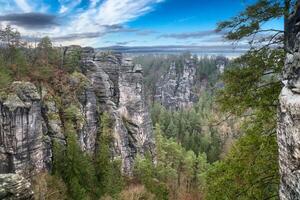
<point>23,149</point>
<point>15,187</point>
<point>30,119</point>
<point>175,89</point>
<point>288,131</point>
<point>117,88</point>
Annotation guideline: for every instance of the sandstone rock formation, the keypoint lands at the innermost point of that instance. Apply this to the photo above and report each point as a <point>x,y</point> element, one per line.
<point>15,187</point>
<point>30,120</point>
<point>23,142</point>
<point>288,132</point>
<point>117,88</point>
<point>175,88</point>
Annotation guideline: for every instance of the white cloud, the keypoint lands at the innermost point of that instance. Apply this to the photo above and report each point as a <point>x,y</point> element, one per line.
<point>23,5</point>
<point>93,3</point>
<point>120,11</point>
<point>111,12</point>
<point>63,9</point>
<point>68,5</point>
<point>95,18</point>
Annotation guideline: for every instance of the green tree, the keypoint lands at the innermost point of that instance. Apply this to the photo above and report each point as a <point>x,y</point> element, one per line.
<point>73,165</point>
<point>250,171</point>
<point>5,76</point>
<point>10,40</point>
<point>250,22</point>
<point>108,171</point>
<point>79,173</point>
<point>177,171</point>
<point>71,61</point>
<point>45,61</point>
<point>171,130</point>
<point>13,60</point>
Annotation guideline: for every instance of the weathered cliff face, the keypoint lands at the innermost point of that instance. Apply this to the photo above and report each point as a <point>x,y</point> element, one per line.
<point>175,88</point>
<point>30,120</point>
<point>288,132</point>
<point>134,111</point>
<point>117,88</point>
<point>24,144</point>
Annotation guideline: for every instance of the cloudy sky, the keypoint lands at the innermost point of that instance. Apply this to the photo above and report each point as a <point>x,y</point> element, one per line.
<point>101,23</point>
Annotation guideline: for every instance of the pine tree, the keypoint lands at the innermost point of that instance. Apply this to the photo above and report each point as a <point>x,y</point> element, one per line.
<point>171,131</point>
<point>250,22</point>
<point>250,170</point>
<point>74,167</point>
<point>108,171</point>
<point>79,173</point>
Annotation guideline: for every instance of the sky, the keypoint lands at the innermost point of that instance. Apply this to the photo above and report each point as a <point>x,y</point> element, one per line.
<point>101,23</point>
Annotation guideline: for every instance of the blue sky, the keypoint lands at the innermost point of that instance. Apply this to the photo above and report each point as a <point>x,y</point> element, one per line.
<point>101,23</point>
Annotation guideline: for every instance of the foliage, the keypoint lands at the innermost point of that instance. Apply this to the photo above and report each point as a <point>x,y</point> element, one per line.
<point>176,171</point>
<point>5,76</point>
<point>108,174</point>
<point>145,171</point>
<point>252,87</point>
<point>136,192</point>
<point>41,65</point>
<point>250,22</point>
<point>250,171</point>
<point>207,68</point>
<point>75,168</point>
<point>253,82</point>
<point>192,128</point>
<point>49,187</point>
<point>71,61</point>
<point>85,178</point>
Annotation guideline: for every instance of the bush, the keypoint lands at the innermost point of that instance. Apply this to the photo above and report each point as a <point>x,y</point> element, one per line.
<point>49,187</point>
<point>136,192</point>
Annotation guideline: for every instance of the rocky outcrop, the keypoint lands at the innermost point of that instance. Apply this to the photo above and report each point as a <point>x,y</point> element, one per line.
<point>288,133</point>
<point>30,119</point>
<point>24,144</point>
<point>117,88</point>
<point>14,187</point>
<point>134,111</point>
<point>175,88</point>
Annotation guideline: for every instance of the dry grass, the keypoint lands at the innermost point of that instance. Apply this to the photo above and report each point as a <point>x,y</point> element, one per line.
<point>49,187</point>
<point>136,192</point>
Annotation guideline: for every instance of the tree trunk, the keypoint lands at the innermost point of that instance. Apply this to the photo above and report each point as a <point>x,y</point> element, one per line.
<point>287,8</point>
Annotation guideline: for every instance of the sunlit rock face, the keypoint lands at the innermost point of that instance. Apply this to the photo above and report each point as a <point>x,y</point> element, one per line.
<point>175,88</point>
<point>134,110</point>
<point>118,87</point>
<point>288,132</point>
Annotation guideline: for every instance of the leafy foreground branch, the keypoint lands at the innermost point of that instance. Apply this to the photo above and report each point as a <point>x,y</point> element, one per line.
<point>252,87</point>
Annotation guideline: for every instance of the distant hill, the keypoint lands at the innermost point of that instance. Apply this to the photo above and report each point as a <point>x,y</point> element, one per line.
<point>227,50</point>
